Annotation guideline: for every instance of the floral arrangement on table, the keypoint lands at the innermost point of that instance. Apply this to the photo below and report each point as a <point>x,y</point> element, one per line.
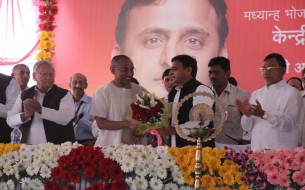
<point>31,165</point>
<point>146,167</point>
<point>284,168</point>
<point>47,9</point>
<point>7,148</point>
<point>87,163</point>
<point>149,113</point>
<point>217,172</point>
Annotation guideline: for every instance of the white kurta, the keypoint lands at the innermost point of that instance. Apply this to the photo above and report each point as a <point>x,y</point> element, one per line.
<point>113,103</point>
<point>283,104</point>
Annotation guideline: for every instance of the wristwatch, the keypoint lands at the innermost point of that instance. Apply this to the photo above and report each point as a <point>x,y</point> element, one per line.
<point>265,115</point>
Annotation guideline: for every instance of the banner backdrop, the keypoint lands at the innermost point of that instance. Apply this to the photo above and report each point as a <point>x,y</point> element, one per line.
<point>155,32</point>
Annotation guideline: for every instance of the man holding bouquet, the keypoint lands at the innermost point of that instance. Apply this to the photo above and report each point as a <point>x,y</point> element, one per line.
<point>184,71</point>
<point>111,103</point>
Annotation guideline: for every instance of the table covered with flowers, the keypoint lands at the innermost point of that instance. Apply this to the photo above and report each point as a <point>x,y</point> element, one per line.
<point>73,166</point>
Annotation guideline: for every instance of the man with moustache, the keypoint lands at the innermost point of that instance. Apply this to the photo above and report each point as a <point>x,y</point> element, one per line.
<point>111,103</point>
<point>83,121</point>
<point>273,111</point>
<point>169,28</point>
<point>44,111</point>
<point>219,73</point>
<point>21,73</point>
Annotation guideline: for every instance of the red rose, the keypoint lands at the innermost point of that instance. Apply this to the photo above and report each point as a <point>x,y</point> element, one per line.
<point>56,173</point>
<point>74,177</point>
<point>43,9</point>
<point>96,185</point>
<point>120,185</point>
<point>89,173</point>
<point>54,10</point>
<point>116,172</point>
<point>103,174</point>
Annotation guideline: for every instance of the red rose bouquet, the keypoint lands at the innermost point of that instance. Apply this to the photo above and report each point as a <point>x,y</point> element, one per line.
<point>85,167</point>
<point>149,113</point>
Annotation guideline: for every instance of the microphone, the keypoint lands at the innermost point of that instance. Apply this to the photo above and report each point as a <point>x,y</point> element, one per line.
<point>78,118</point>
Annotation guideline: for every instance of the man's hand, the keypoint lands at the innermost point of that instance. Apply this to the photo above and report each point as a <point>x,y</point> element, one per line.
<point>167,131</point>
<point>257,109</point>
<point>250,109</point>
<point>244,107</point>
<point>32,104</point>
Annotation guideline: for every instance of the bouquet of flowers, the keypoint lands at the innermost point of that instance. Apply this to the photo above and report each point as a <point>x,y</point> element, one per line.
<point>149,113</point>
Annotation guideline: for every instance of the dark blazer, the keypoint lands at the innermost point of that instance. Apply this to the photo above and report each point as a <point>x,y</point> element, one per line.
<point>183,114</point>
<point>55,133</point>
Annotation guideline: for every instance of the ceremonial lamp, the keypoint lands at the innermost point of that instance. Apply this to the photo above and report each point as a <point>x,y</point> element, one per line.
<point>200,113</point>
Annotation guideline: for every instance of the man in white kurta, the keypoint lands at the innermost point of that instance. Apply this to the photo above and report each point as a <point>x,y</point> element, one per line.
<point>272,113</point>
<point>111,103</point>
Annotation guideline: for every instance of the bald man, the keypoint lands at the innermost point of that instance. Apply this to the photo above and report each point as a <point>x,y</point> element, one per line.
<point>83,121</point>
<point>21,73</point>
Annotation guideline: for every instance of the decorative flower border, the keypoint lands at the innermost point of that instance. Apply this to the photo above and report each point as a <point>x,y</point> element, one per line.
<point>48,9</point>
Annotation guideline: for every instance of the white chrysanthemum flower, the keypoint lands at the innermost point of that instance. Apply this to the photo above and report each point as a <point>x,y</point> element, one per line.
<point>152,171</point>
<point>160,163</point>
<point>37,184</point>
<point>10,184</point>
<point>53,163</point>
<point>26,183</point>
<point>5,159</point>
<point>131,184</point>
<point>140,183</point>
<point>32,169</point>
<point>25,157</point>
<point>19,166</point>
<point>14,156</point>
<point>8,170</point>
<point>171,186</point>
<point>141,170</point>
<point>155,184</point>
<point>178,177</point>
<point>3,186</point>
<point>127,165</point>
<point>45,172</point>
<point>161,173</point>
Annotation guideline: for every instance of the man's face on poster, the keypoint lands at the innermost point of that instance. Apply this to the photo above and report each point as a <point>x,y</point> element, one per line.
<point>156,33</point>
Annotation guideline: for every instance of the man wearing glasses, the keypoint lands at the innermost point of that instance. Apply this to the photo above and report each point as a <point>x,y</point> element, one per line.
<point>111,103</point>
<point>44,111</point>
<point>272,113</point>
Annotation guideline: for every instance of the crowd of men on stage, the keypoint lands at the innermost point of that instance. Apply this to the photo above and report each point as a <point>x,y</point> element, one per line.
<point>271,117</point>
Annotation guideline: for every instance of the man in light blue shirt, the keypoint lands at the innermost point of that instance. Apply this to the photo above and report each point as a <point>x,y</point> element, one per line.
<point>83,120</point>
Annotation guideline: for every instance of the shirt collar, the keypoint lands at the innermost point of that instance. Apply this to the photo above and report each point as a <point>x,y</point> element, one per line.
<point>228,89</point>
<point>84,98</point>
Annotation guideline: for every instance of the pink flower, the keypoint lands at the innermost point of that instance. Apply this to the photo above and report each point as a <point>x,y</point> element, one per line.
<point>284,181</point>
<point>298,178</point>
<point>273,178</point>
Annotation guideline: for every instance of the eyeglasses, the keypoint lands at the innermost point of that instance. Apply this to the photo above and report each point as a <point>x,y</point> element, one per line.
<point>46,75</point>
<point>263,69</point>
<point>126,69</point>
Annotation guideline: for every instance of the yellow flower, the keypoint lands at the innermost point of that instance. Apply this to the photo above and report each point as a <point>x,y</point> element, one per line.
<point>207,181</point>
<point>228,179</point>
<point>188,179</point>
<point>244,187</point>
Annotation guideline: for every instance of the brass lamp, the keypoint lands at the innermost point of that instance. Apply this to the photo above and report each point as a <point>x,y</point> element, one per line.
<point>200,113</point>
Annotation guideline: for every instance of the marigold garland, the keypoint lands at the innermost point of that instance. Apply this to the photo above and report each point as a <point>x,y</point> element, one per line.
<point>48,9</point>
